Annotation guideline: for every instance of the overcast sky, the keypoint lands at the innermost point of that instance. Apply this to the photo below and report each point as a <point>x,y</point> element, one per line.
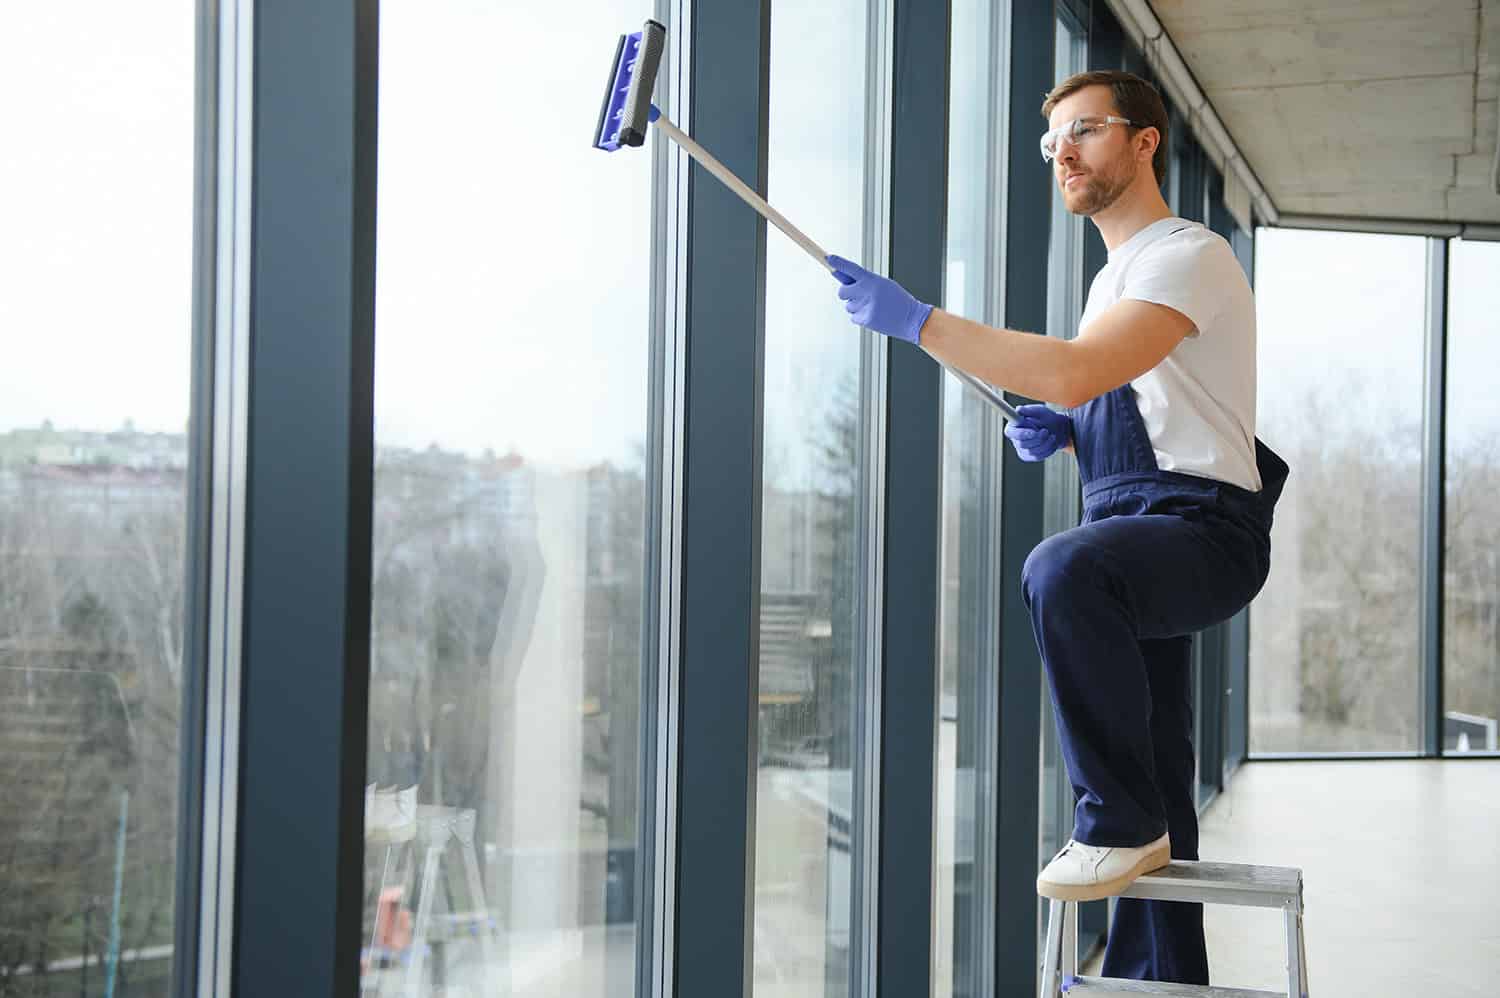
<point>511,300</point>
<point>1341,315</point>
<point>96,212</point>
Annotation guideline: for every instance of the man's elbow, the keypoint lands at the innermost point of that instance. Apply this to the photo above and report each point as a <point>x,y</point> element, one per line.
<point>1069,382</point>
<point>1086,375</point>
<point>1074,388</point>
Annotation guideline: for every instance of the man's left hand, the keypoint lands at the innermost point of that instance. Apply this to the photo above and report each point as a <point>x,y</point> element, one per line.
<point>879,303</point>
<point>1040,433</point>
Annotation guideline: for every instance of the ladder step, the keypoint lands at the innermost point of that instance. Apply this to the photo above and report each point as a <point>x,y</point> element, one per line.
<point>1098,987</point>
<point>1221,883</point>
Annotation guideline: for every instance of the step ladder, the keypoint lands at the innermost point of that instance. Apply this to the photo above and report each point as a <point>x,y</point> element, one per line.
<point>1183,880</point>
<point>395,819</point>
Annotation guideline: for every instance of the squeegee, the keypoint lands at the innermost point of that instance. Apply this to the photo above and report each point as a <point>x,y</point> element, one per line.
<point>625,113</point>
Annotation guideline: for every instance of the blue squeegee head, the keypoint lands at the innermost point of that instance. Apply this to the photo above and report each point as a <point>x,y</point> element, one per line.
<point>632,78</point>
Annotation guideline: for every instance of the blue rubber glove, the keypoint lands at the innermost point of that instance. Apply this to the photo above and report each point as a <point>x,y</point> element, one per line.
<point>879,303</point>
<point>1039,432</point>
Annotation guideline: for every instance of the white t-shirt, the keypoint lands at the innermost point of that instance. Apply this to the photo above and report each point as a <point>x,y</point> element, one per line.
<point>1198,404</point>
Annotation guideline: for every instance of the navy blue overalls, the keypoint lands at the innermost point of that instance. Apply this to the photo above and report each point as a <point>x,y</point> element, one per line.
<point>1114,603</point>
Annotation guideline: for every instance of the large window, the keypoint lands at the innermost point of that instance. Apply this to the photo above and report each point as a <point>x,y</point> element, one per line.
<point>96,193</point>
<point>1334,659</point>
<point>508,567</point>
<point>811,650</point>
<point>968,637</point>
<point>1471,590</point>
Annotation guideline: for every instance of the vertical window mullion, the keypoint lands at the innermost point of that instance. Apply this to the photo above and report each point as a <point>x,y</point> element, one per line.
<point>869,792</point>
<point>306,613</point>
<point>202,794</point>
<point>967,737</point>
<point>719,561</point>
<point>909,675</point>
<point>1023,501</point>
<point>661,651</point>
<point>1435,413</point>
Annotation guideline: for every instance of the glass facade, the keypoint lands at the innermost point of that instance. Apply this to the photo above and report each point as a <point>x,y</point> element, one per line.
<point>811,651</point>
<point>508,564</point>
<point>519,822</point>
<point>1334,659</point>
<point>96,327</point>
<point>1471,580</point>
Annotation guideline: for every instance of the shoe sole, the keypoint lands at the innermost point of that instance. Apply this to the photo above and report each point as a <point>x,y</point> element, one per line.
<point>1154,860</point>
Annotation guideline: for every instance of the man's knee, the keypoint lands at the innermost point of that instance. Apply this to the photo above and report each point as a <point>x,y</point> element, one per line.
<point>1059,565</point>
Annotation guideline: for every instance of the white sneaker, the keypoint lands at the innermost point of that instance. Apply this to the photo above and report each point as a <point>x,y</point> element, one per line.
<point>1082,872</point>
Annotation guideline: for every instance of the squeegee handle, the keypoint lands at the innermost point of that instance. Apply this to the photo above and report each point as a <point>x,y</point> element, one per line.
<point>987,391</point>
<point>754,200</point>
<point>776,218</point>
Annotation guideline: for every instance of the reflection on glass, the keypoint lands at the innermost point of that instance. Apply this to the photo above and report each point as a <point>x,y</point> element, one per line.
<point>1334,664</point>
<point>505,715</point>
<point>96,193</point>
<point>1471,580</point>
<point>1065,245</point>
<point>810,505</point>
<point>967,639</point>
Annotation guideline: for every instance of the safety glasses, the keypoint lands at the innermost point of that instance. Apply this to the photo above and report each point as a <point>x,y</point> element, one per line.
<point>1078,131</point>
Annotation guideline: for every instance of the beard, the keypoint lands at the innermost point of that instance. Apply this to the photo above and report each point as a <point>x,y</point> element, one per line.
<point>1100,190</point>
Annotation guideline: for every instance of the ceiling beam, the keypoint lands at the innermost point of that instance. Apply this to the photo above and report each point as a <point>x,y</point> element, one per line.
<point>1392,226</point>
<point>1141,24</point>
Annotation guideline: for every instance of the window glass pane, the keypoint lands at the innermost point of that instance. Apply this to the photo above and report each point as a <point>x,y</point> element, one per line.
<point>96,194</point>
<point>1062,507</point>
<point>810,508</point>
<point>1471,584</point>
<point>968,635</point>
<point>1341,320</point>
<point>511,414</point>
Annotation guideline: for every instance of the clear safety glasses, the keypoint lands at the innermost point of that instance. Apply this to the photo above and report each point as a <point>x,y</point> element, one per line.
<point>1078,131</point>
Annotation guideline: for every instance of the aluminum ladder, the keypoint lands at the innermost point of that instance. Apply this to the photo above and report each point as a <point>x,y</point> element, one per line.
<point>1183,880</point>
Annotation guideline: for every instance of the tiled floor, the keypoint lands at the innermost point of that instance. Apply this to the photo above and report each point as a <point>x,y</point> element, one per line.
<point>1401,875</point>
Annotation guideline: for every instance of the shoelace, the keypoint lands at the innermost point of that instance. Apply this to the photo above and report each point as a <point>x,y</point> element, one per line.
<point>1090,853</point>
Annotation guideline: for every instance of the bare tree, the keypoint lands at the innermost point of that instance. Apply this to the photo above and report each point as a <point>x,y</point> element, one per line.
<point>91,568</point>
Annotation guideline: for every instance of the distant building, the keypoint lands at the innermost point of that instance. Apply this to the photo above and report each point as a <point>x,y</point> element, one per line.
<point>126,447</point>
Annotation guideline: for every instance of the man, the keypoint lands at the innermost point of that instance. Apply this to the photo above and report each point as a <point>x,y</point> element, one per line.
<point>1178,495</point>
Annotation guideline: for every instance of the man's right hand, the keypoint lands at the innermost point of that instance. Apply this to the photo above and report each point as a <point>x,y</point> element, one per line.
<point>1039,432</point>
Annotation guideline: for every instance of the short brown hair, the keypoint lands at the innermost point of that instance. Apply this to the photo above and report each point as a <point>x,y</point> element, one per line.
<point>1135,99</point>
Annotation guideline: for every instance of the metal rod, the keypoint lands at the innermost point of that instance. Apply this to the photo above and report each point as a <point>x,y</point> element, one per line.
<point>754,200</point>
<point>989,393</point>
<point>112,963</point>
<point>776,218</point>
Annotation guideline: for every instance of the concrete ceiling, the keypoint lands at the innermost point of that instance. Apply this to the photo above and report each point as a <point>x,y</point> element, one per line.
<point>1362,108</point>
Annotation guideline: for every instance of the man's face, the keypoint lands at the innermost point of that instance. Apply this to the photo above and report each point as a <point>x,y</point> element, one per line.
<point>1092,175</point>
